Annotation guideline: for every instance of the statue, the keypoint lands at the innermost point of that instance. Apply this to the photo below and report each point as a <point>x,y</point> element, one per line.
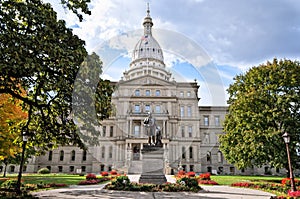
<point>153,132</point>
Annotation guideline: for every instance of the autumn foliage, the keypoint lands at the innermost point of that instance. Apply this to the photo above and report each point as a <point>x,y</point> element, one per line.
<point>11,114</point>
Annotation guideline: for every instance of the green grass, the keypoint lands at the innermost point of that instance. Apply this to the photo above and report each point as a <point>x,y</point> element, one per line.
<point>50,178</point>
<point>228,180</point>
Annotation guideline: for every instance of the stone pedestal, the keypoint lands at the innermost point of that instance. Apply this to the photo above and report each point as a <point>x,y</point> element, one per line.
<point>153,165</point>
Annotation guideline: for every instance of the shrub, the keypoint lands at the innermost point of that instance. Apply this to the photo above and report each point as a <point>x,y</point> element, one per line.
<point>104,173</point>
<point>205,176</point>
<point>90,176</point>
<point>44,171</point>
<point>191,174</point>
<point>113,172</point>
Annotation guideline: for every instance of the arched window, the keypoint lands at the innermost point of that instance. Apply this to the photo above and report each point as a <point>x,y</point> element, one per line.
<point>61,155</point>
<point>73,155</point>
<point>84,153</point>
<point>220,157</point>
<point>50,155</point>
<point>208,157</point>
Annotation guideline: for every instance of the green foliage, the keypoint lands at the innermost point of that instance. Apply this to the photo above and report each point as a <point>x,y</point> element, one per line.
<point>264,102</point>
<point>121,182</point>
<point>44,171</point>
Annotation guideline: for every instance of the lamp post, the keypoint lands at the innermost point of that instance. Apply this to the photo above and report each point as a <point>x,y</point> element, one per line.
<point>24,139</point>
<point>287,139</point>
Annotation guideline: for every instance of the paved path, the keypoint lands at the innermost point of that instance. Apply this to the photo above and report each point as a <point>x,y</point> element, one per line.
<point>97,191</point>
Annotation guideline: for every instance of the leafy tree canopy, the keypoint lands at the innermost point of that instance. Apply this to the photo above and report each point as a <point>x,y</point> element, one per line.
<point>39,54</point>
<point>263,104</point>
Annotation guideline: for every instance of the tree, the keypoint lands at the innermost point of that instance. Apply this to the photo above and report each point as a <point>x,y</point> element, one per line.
<point>11,114</point>
<point>263,104</point>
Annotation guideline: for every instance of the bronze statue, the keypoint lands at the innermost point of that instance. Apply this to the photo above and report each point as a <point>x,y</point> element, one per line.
<point>153,132</point>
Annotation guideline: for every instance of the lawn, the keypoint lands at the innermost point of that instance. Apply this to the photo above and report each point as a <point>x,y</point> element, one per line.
<point>49,178</point>
<point>228,180</point>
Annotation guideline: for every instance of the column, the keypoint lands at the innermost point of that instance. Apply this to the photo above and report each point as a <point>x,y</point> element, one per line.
<point>130,128</point>
<point>142,129</point>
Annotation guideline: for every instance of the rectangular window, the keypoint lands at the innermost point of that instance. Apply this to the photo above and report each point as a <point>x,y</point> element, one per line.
<point>104,131</point>
<point>182,111</point>
<point>71,168</point>
<point>147,92</point>
<point>206,120</point>
<point>110,152</point>
<point>111,131</point>
<point>191,167</point>
<point>12,169</point>
<point>191,152</point>
<point>102,166</point>
<point>136,130</point>
<point>157,92</point>
<point>83,168</point>
<point>190,131</point>
<point>183,153</point>
<point>181,94</point>
<point>157,108</point>
<point>189,111</point>
<point>217,120</point>
<point>182,131</point>
<point>50,155</point>
<point>84,153</point>
<point>137,92</point>
<point>137,108</point>
<point>147,108</point>
<point>103,152</point>
<point>188,94</point>
<point>60,169</point>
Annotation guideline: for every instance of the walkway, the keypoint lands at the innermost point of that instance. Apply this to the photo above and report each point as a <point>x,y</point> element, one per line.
<point>97,191</point>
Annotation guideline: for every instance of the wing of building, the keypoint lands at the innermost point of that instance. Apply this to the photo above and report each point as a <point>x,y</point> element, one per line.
<point>189,132</point>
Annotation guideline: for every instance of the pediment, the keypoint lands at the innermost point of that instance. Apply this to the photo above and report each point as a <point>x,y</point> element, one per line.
<point>146,81</point>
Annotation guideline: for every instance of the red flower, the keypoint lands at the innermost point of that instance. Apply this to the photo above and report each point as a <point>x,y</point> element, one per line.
<point>104,173</point>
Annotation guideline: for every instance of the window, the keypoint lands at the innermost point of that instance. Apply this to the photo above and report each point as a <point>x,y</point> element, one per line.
<point>83,168</point>
<point>73,155</point>
<point>232,170</point>
<point>50,155</point>
<point>84,153</point>
<point>184,167</point>
<point>191,167</point>
<point>190,131</point>
<point>157,108</point>
<point>102,167</point>
<point>60,168</point>
<point>147,92</point>
<point>182,111</point>
<point>12,169</point>
<point>109,168</point>
<point>188,94</point>
<point>189,111</point>
<point>71,168</point>
<point>137,92</point>
<point>24,168</point>
<point>181,94</point>
<point>104,131</point>
<point>103,152</point>
<point>183,153</point>
<point>137,108</point>
<point>217,120</point>
<point>209,169</point>
<point>206,120</point>
<point>110,152</point>
<point>208,157</point>
<point>220,157</point>
<point>61,155</point>
<point>191,152</point>
<point>221,169</point>
<point>136,130</point>
<point>111,131</point>
<point>157,92</point>
<point>182,131</point>
<point>147,108</point>
<point>1,168</point>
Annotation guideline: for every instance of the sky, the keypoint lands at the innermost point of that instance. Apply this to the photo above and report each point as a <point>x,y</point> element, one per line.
<point>211,41</point>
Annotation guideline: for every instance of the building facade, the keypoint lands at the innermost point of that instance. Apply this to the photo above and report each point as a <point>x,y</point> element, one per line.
<point>189,132</point>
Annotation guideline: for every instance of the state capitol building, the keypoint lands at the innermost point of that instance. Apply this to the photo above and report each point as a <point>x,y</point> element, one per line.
<point>189,131</point>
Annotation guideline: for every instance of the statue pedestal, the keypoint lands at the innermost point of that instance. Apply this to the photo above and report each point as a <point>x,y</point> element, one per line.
<point>153,165</point>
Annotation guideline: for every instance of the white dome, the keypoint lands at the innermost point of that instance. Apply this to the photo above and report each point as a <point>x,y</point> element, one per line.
<point>147,47</point>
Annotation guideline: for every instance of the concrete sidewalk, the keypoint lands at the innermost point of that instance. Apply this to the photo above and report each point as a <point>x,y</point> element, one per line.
<point>97,191</point>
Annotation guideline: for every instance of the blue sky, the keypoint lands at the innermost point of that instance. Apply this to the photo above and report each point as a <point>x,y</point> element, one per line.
<point>208,40</point>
